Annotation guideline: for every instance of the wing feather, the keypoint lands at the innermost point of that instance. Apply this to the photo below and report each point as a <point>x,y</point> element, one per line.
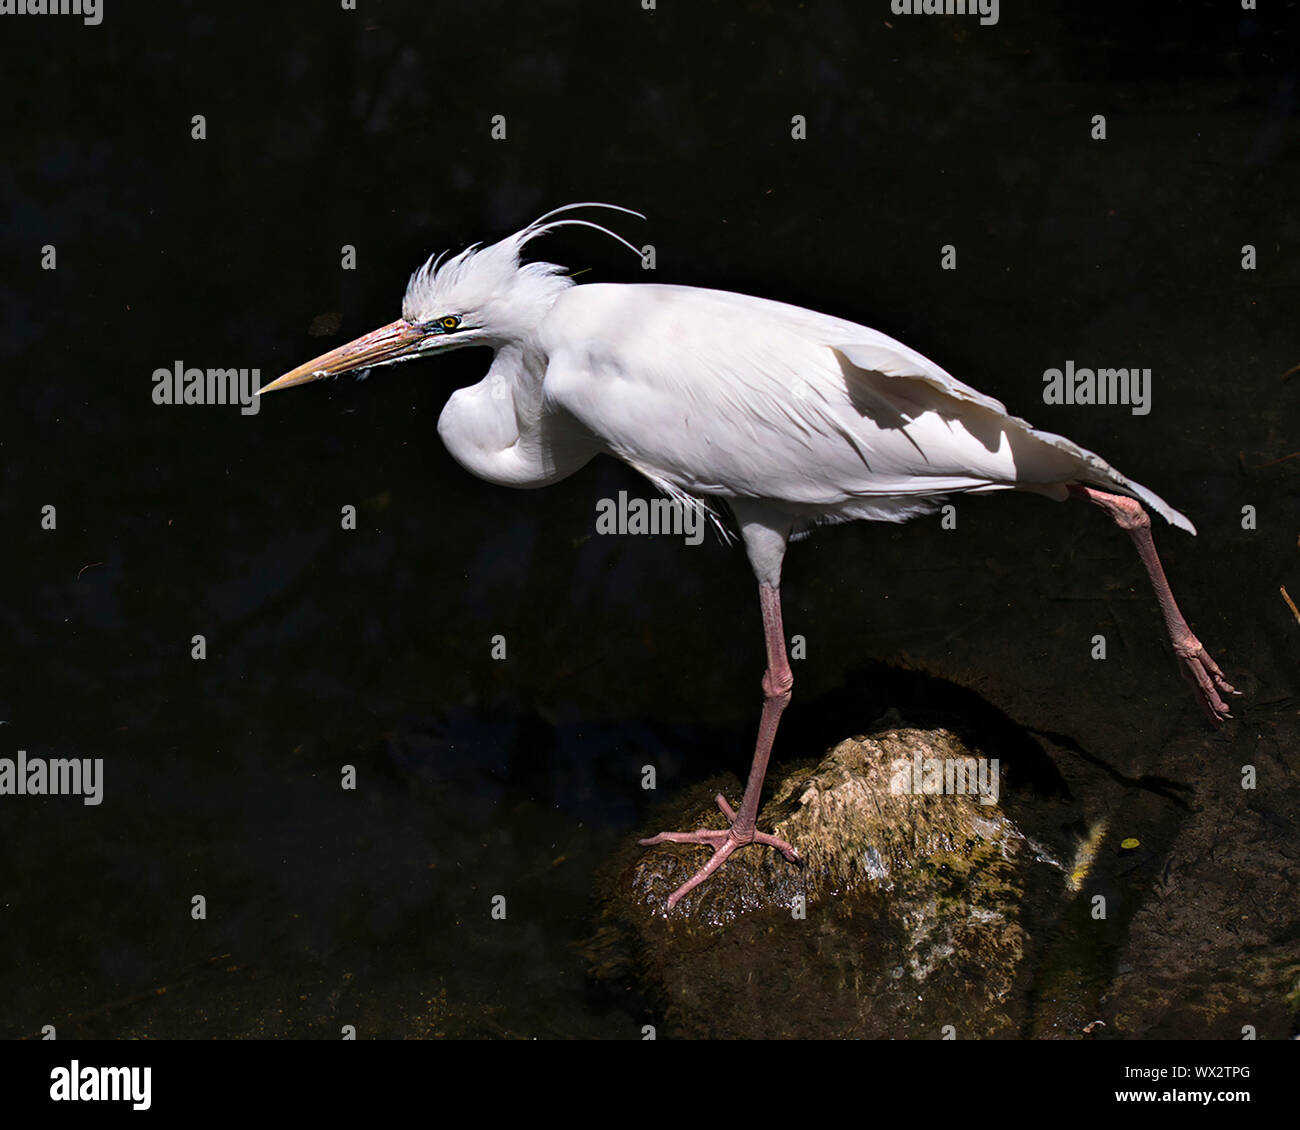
<point>719,394</point>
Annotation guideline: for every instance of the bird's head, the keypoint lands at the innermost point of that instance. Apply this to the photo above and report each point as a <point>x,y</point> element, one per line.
<point>483,296</point>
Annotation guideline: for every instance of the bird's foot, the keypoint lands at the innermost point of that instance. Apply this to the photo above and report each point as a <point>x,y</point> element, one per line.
<point>1204,675</point>
<point>723,842</point>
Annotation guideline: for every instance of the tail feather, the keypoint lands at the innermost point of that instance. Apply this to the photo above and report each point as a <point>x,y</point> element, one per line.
<point>1106,477</point>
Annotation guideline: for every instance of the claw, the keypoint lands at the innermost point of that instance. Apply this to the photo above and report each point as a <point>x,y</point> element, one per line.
<point>1206,678</point>
<point>723,841</point>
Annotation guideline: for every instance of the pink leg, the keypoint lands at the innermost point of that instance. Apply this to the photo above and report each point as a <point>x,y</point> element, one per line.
<point>1201,671</point>
<point>778,682</point>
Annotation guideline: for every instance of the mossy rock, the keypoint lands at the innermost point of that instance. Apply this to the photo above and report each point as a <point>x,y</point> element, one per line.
<point>903,917</point>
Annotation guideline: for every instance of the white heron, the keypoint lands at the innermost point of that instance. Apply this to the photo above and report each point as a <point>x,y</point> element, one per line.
<point>787,417</point>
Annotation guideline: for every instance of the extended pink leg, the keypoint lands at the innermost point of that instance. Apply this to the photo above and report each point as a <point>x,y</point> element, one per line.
<point>778,682</point>
<point>1201,671</point>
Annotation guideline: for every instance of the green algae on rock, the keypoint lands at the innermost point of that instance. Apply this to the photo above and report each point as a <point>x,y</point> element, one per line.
<point>903,916</point>
<point>852,823</point>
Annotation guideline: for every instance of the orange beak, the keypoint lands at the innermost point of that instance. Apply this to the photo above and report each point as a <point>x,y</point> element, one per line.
<point>394,342</point>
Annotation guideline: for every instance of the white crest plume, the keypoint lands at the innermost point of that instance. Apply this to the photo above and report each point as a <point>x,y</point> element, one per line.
<point>486,279</point>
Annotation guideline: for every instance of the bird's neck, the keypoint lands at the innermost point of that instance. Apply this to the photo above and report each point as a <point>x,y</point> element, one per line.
<point>501,431</point>
<point>515,376</point>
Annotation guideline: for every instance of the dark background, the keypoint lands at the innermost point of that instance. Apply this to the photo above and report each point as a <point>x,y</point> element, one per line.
<point>371,648</point>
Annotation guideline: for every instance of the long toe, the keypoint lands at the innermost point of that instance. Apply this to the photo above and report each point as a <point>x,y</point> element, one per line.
<point>1216,675</point>
<point>712,836</point>
<point>1207,694</point>
<point>723,842</point>
<point>719,857</point>
<point>1206,678</point>
<point>776,842</point>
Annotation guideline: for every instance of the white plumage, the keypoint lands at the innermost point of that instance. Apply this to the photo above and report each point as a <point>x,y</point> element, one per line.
<point>785,417</point>
<point>724,395</point>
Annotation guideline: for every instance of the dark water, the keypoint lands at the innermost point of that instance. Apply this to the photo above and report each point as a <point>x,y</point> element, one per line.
<point>371,648</point>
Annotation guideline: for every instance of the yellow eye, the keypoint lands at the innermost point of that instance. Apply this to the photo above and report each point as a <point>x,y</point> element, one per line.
<point>450,322</point>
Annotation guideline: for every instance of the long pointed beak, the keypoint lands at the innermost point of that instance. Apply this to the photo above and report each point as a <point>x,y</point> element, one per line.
<point>392,342</point>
